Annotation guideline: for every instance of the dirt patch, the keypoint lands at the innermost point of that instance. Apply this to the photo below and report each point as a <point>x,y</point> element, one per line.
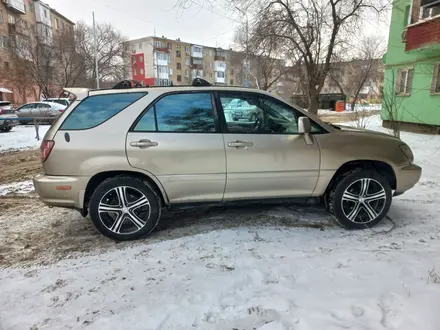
<point>34,234</point>
<point>19,165</point>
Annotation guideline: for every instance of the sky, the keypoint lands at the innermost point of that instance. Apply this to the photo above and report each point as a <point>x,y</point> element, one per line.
<point>141,18</point>
<point>207,26</point>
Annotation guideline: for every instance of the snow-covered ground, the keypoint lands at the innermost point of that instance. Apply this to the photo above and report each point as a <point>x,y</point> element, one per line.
<point>21,137</point>
<point>252,277</point>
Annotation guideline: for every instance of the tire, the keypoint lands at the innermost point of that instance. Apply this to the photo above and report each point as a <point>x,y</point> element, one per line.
<point>124,221</point>
<point>6,129</point>
<point>359,199</point>
<point>253,118</point>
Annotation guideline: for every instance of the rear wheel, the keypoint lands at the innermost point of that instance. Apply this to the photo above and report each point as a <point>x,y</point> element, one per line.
<point>5,129</point>
<point>359,199</point>
<point>125,208</point>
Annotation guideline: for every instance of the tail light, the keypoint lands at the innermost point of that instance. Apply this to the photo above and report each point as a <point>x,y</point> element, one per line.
<point>2,111</point>
<point>45,149</point>
<point>61,111</point>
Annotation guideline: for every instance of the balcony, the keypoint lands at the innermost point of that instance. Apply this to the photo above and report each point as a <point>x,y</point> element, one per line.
<point>197,51</point>
<point>424,34</point>
<point>219,58</point>
<point>220,66</point>
<point>16,5</point>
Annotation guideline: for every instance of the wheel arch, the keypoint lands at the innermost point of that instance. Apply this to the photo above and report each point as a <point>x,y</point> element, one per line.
<point>381,167</point>
<point>98,178</point>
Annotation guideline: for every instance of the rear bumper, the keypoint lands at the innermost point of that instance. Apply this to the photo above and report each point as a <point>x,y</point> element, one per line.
<point>61,191</point>
<point>407,177</point>
<point>9,122</point>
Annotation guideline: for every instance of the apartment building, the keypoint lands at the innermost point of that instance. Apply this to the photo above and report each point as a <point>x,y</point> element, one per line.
<point>412,64</point>
<point>19,19</point>
<point>161,61</point>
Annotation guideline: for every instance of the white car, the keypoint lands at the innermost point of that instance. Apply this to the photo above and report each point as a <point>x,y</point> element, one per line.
<point>41,111</point>
<point>238,109</point>
<point>62,101</point>
<point>7,116</point>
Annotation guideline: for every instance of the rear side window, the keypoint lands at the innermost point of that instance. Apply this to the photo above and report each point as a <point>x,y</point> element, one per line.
<point>180,113</point>
<point>95,110</point>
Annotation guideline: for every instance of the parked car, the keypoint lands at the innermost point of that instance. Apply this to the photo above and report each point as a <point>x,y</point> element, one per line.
<point>123,155</point>
<point>62,101</point>
<point>7,116</point>
<point>238,109</point>
<point>43,111</point>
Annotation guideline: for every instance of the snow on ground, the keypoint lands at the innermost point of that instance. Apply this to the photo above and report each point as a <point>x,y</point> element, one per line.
<point>21,137</point>
<point>252,277</point>
<point>17,188</point>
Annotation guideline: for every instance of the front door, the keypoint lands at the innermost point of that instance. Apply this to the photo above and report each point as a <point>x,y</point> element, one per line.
<point>266,157</point>
<point>178,140</point>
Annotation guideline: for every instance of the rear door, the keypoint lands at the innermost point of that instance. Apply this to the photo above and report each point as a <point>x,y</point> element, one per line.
<point>178,140</point>
<point>266,157</point>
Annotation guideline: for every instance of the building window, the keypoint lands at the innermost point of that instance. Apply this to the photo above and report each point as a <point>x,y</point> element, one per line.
<point>45,13</point>
<point>178,53</point>
<point>11,19</point>
<point>162,56</point>
<point>220,74</point>
<point>56,23</point>
<point>140,46</point>
<point>231,82</point>
<point>404,81</point>
<point>210,52</point>
<point>435,87</point>
<point>210,75</point>
<point>141,59</point>
<point>1,16</point>
<point>197,49</point>
<point>187,61</point>
<point>179,66</point>
<point>177,46</point>
<point>430,11</point>
<point>31,6</point>
<point>186,73</point>
<point>3,41</point>
<point>170,46</point>
<point>158,44</point>
<point>142,71</point>
<point>232,72</point>
<point>179,78</point>
<point>186,49</point>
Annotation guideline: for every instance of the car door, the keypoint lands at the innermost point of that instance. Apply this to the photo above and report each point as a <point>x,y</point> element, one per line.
<point>266,157</point>
<point>42,110</point>
<point>25,111</point>
<point>178,140</point>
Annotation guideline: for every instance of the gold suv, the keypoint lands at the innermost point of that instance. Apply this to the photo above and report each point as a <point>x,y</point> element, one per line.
<point>121,155</point>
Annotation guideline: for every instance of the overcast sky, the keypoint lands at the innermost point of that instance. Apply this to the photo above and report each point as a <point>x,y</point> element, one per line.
<point>141,18</point>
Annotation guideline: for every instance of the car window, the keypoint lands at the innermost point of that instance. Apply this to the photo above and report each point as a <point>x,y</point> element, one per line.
<point>253,113</point>
<point>185,112</point>
<point>95,110</point>
<point>26,107</point>
<point>43,106</point>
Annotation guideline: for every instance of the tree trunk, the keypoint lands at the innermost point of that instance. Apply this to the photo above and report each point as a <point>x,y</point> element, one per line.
<point>313,101</point>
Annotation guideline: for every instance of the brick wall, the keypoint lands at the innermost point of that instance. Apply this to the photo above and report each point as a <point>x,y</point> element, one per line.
<point>423,33</point>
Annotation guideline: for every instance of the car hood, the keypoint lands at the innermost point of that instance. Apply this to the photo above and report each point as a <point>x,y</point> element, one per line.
<point>342,129</point>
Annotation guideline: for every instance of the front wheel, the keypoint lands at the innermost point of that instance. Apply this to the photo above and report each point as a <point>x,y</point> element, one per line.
<point>360,199</point>
<point>125,208</point>
<point>5,129</point>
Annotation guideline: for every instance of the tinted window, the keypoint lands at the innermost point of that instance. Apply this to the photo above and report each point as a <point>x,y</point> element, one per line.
<point>146,124</point>
<point>62,102</point>
<point>191,112</point>
<point>95,110</point>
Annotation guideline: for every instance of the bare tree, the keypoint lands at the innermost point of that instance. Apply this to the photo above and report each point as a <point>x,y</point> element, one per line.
<point>265,54</point>
<point>112,49</point>
<point>15,74</point>
<point>392,107</point>
<point>33,51</point>
<point>359,73</point>
<point>71,64</point>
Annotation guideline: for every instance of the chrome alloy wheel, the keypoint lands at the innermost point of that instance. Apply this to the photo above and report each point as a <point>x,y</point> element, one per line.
<point>124,210</point>
<point>363,201</point>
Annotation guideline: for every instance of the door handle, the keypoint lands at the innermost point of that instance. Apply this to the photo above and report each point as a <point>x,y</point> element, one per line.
<point>143,144</point>
<point>240,144</point>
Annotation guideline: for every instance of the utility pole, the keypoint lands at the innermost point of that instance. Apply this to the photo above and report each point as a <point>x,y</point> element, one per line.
<point>96,51</point>
<point>246,82</point>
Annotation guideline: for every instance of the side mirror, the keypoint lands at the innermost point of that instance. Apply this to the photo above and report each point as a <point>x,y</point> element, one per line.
<point>304,126</point>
